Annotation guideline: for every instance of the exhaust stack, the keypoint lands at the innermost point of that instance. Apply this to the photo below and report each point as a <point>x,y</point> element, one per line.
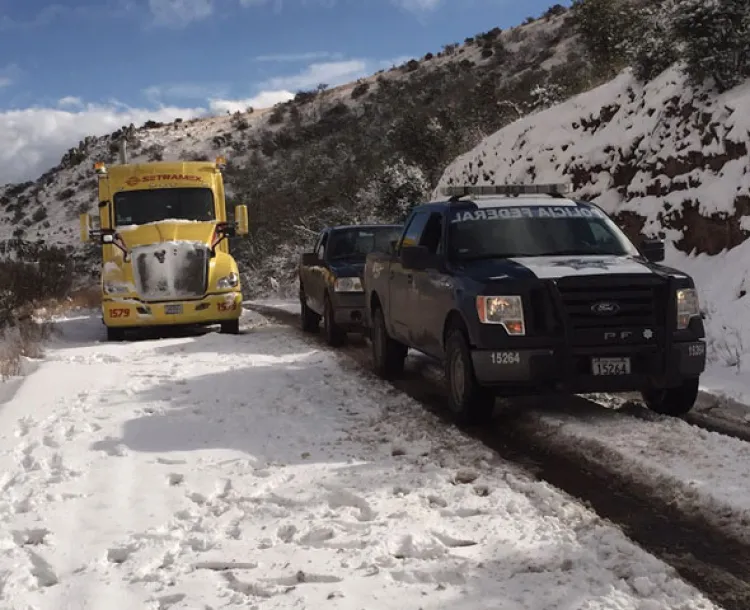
<point>123,151</point>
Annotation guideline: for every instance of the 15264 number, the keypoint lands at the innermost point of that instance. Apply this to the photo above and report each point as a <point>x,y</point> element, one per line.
<point>504,358</point>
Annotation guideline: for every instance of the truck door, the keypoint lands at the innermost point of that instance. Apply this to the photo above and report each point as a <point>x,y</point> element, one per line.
<point>432,292</point>
<point>402,295</point>
<point>313,278</point>
<point>320,274</point>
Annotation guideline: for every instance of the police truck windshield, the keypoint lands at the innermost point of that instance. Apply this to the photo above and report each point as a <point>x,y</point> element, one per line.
<point>357,243</point>
<point>507,232</point>
<point>155,205</point>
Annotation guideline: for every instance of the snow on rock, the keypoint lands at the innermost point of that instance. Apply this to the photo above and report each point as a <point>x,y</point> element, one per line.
<point>256,471</point>
<point>655,150</point>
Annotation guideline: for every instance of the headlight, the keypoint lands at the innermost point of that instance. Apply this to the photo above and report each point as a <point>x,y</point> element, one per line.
<point>116,288</point>
<point>228,281</point>
<point>688,307</point>
<point>348,284</point>
<point>506,311</point>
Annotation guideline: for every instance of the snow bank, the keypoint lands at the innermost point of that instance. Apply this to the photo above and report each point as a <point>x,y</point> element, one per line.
<point>254,470</point>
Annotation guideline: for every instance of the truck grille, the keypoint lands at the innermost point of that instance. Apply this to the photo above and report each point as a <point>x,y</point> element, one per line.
<point>171,271</point>
<point>611,302</point>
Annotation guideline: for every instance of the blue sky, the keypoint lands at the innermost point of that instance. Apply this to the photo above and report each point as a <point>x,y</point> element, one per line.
<point>72,58</point>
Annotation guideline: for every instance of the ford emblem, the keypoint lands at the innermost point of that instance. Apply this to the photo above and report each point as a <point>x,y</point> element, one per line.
<point>605,308</point>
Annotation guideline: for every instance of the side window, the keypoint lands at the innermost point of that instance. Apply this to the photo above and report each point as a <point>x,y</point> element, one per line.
<point>321,250</point>
<point>432,236</point>
<point>414,230</point>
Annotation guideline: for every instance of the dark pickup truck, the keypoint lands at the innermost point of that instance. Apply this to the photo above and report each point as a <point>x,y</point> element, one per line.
<point>330,277</point>
<point>519,290</point>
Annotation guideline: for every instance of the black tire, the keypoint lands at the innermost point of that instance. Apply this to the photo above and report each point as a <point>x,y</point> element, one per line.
<point>115,334</point>
<point>309,320</point>
<point>469,402</point>
<point>672,401</point>
<point>388,355</point>
<point>334,334</point>
<point>230,327</point>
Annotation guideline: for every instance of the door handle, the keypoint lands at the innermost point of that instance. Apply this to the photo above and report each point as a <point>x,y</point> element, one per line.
<point>409,278</point>
<point>392,274</point>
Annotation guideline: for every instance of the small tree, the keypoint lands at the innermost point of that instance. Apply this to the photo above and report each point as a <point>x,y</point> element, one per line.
<point>714,36</point>
<point>606,28</point>
<point>655,48</point>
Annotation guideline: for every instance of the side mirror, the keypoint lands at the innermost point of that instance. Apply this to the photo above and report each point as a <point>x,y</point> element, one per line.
<point>417,258</point>
<point>241,218</point>
<point>85,228</point>
<point>653,250</point>
<point>310,259</point>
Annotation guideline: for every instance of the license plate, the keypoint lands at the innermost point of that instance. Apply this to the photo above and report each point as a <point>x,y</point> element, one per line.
<point>172,309</point>
<point>610,366</point>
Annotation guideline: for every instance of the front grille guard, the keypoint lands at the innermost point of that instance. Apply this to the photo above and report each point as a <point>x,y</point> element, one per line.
<point>664,305</point>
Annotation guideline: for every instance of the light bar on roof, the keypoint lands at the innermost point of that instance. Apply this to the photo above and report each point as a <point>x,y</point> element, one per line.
<point>559,188</point>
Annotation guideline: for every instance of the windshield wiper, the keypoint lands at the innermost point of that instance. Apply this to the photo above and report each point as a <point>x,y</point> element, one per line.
<point>482,257</point>
<point>576,252</point>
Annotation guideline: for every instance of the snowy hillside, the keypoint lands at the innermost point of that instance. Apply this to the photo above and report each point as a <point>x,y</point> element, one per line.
<point>661,160</point>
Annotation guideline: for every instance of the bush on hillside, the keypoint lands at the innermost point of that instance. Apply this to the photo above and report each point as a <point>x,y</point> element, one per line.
<point>655,49</point>
<point>606,27</point>
<point>31,274</point>
<point>714,36</point>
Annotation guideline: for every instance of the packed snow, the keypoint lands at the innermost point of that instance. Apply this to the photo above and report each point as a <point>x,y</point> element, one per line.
<point>217,471</point>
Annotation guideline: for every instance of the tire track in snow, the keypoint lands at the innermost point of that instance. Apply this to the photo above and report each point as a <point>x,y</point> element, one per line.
<point>712,559</point>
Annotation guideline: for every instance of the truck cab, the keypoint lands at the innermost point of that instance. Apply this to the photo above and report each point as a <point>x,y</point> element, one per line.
<point>520,290</point>
<point>164,232</point>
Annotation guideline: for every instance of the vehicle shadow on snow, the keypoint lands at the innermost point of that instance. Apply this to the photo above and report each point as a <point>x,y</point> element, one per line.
<point>256,340</point>
<point>276,410</point>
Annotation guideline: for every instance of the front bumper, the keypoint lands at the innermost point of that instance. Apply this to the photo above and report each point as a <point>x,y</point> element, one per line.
<point>548,370</point>
<point>349,309</point>
<point>133,313</point>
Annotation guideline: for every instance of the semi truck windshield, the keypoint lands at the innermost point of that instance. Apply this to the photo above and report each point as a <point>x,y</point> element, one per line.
<point>155,205</point>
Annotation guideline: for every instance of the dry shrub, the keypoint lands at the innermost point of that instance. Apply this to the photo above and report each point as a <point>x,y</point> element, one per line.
<point>23,340</point>
<point>82,298</point>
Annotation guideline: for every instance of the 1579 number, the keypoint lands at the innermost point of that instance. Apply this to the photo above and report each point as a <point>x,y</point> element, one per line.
<point>505,358</point>
<point>119,312</point>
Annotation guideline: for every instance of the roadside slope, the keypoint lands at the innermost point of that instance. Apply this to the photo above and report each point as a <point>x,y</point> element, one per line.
<point>223,471</point>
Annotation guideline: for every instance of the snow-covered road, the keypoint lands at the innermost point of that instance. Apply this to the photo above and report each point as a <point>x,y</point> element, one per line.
<point>255,471</point>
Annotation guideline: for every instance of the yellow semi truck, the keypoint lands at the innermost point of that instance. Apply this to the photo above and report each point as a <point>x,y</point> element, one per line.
<point>163,230</point>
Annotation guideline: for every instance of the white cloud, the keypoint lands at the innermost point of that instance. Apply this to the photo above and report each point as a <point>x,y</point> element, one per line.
<point>294,57</point>
<point>184,91</point>
<point>5,81</point>
<point>265,99</point>
<point>418,6</point>
<point>179,13</point>
<point>330,73</point>
<point>70,101</point>
<point>36,138</point>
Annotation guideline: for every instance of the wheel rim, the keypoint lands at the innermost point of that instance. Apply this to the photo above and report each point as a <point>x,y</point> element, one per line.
<point>458,378</point>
